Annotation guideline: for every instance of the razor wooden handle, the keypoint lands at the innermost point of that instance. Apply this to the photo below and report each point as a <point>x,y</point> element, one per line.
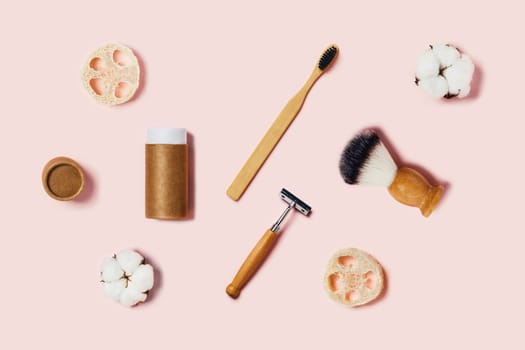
<point>252,263</point>
<point>411,188</point>
<point>270,139</point>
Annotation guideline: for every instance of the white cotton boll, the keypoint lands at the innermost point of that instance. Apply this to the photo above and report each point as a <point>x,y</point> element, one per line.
<point>459,74</point>
<point>453,76</point>
<point>131,297</point>
<point>464,91</point>
<point>115,289</point>
<point>437,87</point>
<point>126,279</point>
<point>446,54</point>
<point>110,270</point>
<point>427,65</point>
<point>129,260</point>
<point>456,80</point>
<point>466,63</point>
<point>459,77</point>
<point>142,278</point>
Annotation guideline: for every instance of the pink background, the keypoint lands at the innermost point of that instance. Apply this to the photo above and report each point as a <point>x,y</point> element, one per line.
<point>224,69</point>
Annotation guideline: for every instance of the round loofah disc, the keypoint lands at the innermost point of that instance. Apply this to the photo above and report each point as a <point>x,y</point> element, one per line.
<point>111,74</point>
<point>353,277</point>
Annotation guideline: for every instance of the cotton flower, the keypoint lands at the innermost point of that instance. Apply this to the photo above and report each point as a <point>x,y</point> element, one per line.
<point>442,71</point>
<point>126,279</point>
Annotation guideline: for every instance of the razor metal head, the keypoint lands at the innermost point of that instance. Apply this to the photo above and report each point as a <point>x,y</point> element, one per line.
<point>298,204</point>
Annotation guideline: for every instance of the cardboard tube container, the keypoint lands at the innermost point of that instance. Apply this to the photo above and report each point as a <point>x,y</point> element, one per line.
<point>167,191</point>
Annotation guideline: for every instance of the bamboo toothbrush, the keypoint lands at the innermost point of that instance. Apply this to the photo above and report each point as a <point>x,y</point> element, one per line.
<point>279,127</point>
<point>366,160</point>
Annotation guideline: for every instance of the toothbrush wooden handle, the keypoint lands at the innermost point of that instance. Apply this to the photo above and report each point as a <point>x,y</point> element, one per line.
<point>270,140</point>
<point>252,263</point>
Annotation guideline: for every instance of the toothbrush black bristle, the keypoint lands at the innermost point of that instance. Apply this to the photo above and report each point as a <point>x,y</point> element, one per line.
<point>328,57</point>
<point>355,155</point>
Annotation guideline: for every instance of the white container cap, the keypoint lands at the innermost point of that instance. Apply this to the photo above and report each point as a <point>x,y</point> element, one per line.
<point>166,136</point>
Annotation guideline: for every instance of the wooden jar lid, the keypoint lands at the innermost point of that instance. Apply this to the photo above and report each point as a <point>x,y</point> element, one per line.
<point>63,178</point>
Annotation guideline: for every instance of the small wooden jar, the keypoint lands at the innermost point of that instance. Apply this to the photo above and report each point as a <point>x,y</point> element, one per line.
<point>63,178</point>
<point>167,191</point>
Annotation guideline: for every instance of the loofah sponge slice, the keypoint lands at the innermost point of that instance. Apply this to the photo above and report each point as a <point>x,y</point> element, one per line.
<point>126,279</point>
<point>353,277</point>
<point>111,74</point>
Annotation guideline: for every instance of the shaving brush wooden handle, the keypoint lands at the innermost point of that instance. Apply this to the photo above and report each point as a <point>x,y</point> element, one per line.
<point>411,188</point>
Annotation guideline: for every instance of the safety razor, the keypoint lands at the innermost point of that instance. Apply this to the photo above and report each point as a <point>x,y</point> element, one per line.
<point>265,244</point>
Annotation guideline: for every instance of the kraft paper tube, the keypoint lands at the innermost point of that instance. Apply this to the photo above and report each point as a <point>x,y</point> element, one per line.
<point>167,174</point>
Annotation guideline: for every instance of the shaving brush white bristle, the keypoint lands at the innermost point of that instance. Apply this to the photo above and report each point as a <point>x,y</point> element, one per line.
<point>366,160</point>
<point>379,169</point>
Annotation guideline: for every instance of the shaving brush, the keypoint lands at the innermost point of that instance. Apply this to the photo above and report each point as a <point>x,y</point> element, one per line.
<point>365,160</point>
